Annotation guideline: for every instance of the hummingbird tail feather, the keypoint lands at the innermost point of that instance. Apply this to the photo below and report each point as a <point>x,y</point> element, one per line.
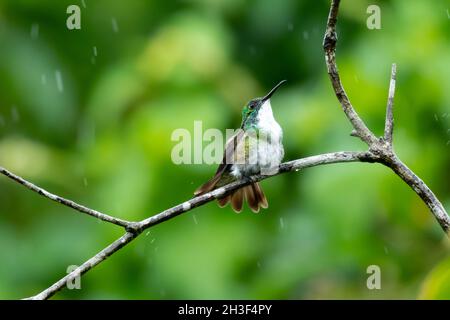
<point>207,186</point>
<point>262,200</point>
<point>224,201</point>
<point>251,198</point>
<point>253,193</point>
<point>255,197</point>
<point>237,200</point>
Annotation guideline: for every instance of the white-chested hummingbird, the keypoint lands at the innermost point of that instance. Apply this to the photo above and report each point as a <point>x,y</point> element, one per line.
<point>256,148</point>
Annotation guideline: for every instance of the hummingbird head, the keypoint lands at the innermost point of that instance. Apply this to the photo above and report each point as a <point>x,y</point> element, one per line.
<point>251,110</point>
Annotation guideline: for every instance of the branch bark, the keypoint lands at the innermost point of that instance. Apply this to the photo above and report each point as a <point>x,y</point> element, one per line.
<point>329,45</point>
<point>389,123</point>
<point>380,151</point>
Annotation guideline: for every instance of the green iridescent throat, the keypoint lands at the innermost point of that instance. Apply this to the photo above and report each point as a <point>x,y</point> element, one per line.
<point>249,118</point>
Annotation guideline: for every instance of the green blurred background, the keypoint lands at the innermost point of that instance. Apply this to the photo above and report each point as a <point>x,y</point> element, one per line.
<point>88,114</point>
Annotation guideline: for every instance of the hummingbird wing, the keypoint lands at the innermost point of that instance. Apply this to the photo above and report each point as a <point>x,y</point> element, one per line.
<point>253,193</point>
<point>222,173</point>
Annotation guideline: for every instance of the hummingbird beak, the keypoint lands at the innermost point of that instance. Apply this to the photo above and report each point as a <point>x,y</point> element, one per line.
<point>271,92</point>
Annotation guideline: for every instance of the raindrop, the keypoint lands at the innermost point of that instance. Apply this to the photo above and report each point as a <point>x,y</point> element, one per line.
<point>43,79</point>
<point>153,240</point>
<point>115,26</point>
<point>83,3</point>
<point>85,182</point>
<point>94,49</point>
<point>34,33</point>
<point>281,223</point>
<point>444,115</point>
<point>305,35</point>
<point>290,26</point>
<point>59,81</point>
<point>436,117</point>
<point>448,130</point>
<point>86,133</point>
<point>386,250</point>
<point>448,142</point>
<point>297,170</point>
<point>195,219</point>
<point>15,114</point>
<point>448,14</point>
<point>147,233</point>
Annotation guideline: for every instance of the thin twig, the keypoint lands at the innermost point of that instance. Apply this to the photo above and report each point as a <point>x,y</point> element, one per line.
<point>85,267</point>
<point>389,124</point>
<point>382,147</point>
<point>329,45</point>
<point>66,202</point>
<point>423,191</point>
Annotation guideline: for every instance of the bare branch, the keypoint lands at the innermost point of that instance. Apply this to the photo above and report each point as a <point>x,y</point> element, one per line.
<point>381,147</point>
<point>423,191</point>
<point>389,124</point>
<point>329,45</point>
<point>139,227</point>
<point>85,267</point>
<point>68,203</point>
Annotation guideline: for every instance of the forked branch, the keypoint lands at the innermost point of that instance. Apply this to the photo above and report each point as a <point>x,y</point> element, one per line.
<point>380,146</point>
<point>380,151</point>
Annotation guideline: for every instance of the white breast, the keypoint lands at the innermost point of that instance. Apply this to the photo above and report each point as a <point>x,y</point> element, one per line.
<point>267,122</point>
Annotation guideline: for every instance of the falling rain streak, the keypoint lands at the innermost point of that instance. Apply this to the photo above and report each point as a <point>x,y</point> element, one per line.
<point>115,26</point>
<point>59,81</point>
<point>305,35</point>
<point>34,33</point>
<point>93,58</point>
<point>281,223</point>
<point>15,114</point>
<point>195,219</point>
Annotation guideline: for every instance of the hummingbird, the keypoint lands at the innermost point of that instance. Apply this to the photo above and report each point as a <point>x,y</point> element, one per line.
<point>255,148</point>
